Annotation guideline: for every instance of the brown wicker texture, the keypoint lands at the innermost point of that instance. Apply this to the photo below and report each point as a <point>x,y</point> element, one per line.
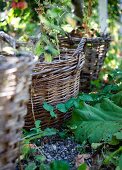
<point>95,51</point>
<point>14,93</point>
<point>54,83</point>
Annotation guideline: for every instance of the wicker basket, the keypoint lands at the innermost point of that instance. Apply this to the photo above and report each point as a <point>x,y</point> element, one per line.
<point>54,83</point>
<point>95,51</point>
<point>14,93</point>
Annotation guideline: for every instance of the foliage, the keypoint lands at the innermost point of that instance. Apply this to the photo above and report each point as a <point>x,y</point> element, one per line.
<point>52,18</point>
<point>98,117</point>
<point>50,109</point>
<point>97,131</point>
<point>54,165</point>
<point>36,132</point>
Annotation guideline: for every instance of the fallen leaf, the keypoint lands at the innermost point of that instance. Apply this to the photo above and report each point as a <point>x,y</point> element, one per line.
<point>80,159</point>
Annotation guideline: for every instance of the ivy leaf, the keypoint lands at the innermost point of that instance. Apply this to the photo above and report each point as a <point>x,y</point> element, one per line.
<point>61,107</point>
<point>86,97</point>
<point>31,166</point>
<point>69,103</point>
<point>48,107</point>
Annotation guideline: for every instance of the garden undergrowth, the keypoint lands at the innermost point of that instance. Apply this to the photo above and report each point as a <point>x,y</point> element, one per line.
<point>96,125</point>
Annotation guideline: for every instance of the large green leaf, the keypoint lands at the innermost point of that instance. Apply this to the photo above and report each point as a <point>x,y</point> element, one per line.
<point>117,98</point>
<point>120,162</point>
<point>99,122</point>
<point>96,131</point>
<point>106,111</point>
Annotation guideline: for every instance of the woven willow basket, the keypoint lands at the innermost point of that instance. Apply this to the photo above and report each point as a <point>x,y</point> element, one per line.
<point>54,83</point>
<point>95,51</point>
<point>14,93</point>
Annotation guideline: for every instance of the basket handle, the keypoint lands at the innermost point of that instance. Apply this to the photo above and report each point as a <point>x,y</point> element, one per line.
<point>79,50</point>
<point>7,38</point>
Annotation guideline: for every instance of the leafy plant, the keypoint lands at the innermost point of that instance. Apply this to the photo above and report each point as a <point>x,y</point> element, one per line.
<point>52,18</point>
<point>50,109</point>
<point>34,134</point>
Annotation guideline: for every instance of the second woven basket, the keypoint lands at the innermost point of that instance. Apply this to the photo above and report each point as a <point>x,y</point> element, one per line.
<point>54,83</point>
<point>95,51</point>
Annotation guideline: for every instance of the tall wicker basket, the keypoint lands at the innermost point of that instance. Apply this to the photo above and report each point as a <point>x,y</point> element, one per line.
<point>54,83</point>
<point>95,51</point>
<point>14,93</point>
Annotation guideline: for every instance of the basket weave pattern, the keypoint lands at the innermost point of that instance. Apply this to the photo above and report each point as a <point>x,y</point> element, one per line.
<point>95,51</point>
<point>14,93</point>
<point>54,83</point>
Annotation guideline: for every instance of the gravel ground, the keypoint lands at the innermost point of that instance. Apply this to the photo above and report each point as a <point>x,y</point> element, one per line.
<point>62,149</point>
<point>55,148</point>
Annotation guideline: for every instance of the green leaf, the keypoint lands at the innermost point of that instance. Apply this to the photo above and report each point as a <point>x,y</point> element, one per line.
<point>117,168</point>
<point>44,167</point>
<point>96,131</point>
<point>48,107</point>
<point>40,158</point>
<point>37,124</point>
<point>25,150</point>
<point>114,141</point>
<point>31,166</point>
<point>117,99</point>
<point>53,114</point>
<point>61,107</point>
<point>38,49</point>
<point>85,97</point>
<point>96,145</point>
<point>50,131</point>
<point>106,111</point>
<point>69,103</point>
<point>59,165</point>
<point>118,135</point>
<point>120,162</point>
<point>51,50</point>
<point>77,103</point>
<point>82,167</point>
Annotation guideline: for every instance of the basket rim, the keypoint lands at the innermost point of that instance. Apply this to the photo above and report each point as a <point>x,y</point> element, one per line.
<point>71,58</point>
<point>102,37</point>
